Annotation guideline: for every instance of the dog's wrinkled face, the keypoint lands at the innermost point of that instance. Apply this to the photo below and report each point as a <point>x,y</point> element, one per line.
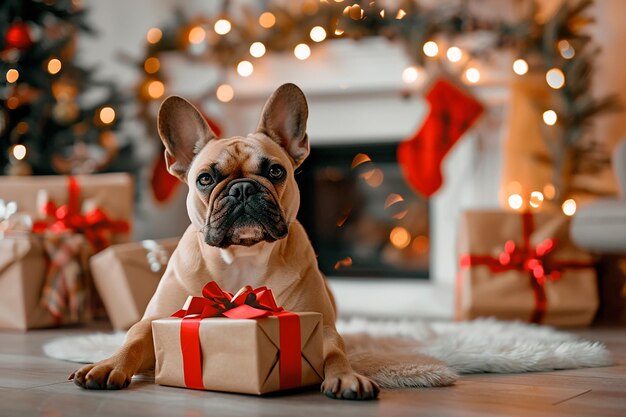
<point>242,190</point>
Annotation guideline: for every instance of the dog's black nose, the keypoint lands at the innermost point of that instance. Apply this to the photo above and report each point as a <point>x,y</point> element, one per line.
<point>243,189</point>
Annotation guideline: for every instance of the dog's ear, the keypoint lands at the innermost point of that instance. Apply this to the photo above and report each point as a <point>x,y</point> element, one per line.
<point>184,132</point>
<point>284,120</point>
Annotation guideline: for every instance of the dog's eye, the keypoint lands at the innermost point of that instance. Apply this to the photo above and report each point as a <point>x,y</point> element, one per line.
<point>276,172</point>
<point>204,180</point>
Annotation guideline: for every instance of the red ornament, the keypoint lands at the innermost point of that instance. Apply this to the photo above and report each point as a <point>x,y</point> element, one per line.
<point>18,36</point>
<point>452,113</point>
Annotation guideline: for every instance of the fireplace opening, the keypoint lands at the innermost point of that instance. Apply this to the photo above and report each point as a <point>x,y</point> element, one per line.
<point>361,216</point>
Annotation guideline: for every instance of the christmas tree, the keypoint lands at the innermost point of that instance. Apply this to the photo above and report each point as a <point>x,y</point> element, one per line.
<point>55,117</point>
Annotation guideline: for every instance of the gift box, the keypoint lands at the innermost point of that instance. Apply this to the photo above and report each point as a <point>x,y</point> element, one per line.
<point>110,198</point>
<point>254,347</point>
<point>523,266</point>
<point>127,275</point>
<point>28,285</point>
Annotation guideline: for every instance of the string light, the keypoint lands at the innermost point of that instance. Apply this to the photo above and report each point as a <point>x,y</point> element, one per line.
<point>245,68</point>
<point>107,115</point>
<point>317,34</point>
<point>22,128</point>
<point>569,207</point>
<point>515,201</point>
<point>54,66</point>
<point>400,15</point>
<point>225,93</point>
<point>154,35</point>
<point>410,75</point>
<point>566,49</point>
<point>400,237</point>
<point>222,27</point>
<point>520,66</point>
<point>472,75</point>
<point>257,49</point>
<point>339,32</point>
<point>431,49</point>
<point>156,89</point>
<point>536,199</point>
<point>19,152</point>
<point>355,12</point>
<point>549,117</point>
<point>302,51</point>
<point>12,75</point>
<point>13,102</point>
<point>454,54</point>
<point>197,34</point>
<point>151,65</point>
<point>555,78</point>
<point>267,20</point>
<point>549,191</point>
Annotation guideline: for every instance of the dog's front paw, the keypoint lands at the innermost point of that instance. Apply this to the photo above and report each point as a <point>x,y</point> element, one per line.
<point>101,375</point>
<point>350,386</point>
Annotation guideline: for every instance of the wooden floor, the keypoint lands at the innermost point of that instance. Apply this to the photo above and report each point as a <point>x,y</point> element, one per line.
<point>33,385</point>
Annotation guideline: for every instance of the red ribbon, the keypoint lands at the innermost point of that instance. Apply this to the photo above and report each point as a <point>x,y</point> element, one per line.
<point>95,225</point>
<point>247,303</point>
<point>534,260</point>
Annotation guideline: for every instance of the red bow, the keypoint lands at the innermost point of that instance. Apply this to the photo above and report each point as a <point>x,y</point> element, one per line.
<point>95,225</point>
<point>247,303</point>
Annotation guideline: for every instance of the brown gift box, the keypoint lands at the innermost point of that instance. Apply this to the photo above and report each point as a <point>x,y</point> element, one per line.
<point>572,300</point>
<point>238,355</point>
<point>22,276</point>
<point>125,281</point>
<point>112,193</point>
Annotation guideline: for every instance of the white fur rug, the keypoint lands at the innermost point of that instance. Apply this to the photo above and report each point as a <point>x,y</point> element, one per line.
<point>466,347</point>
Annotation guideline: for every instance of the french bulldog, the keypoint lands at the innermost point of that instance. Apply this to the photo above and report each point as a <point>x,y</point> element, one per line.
<point>242,203</point>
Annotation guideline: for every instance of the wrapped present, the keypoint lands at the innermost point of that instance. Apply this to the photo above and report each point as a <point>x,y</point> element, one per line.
<point>98,206</point>
<point>523,266</point>
<point>127,275</point>
<point>239,343</point>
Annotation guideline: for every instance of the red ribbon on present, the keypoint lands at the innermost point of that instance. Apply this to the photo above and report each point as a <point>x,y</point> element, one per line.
<point>95,225</point>
<point>247,303</point>
<point>535,260</point>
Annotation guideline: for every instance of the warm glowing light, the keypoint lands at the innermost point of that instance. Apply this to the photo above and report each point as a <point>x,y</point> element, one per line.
<point>22,128</point>
<point>420,244</point>
<point>12,75</point>
<point>400,237</point>
<point>54,66</point>
<point>569,207</point>
<point>197,34</point>
<point>245,68</point>
<point>549,117</point>
<point>549,191</point>
<point>431,48</point>
<point>156,89</point>
<point>392,199</point>
<point>317,34</point>
<point>536,199</point>
<point>151,65</point>
<point>154,35</point>
<point>267,20</point>
<point>410,75</point>
<point>257,49</point>
<point>107,115</point>
<point>225,93</point>
<point>355,12</point>
<point>302,51</point>
<point>360,158</point>
<point>382,13</point>
<point>555,78</point>
<point>454,54</point>
<point>515,201</point>
<point>222,27</point>
<point>339,32</point>
<point>400,15</point>
<point>520,66</point>
<point>374,177</point>
<point>566,49</point>
<point>19,152</point>
<point>13,102</point>
<point>343,263</point>
<point>472,75</point>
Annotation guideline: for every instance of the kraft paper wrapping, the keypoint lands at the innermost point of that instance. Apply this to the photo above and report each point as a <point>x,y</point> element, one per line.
<point>572,300</point>
<point>112,193</point>
<point>22,274</point>
<point>125,281</point>
<point>237,355</point>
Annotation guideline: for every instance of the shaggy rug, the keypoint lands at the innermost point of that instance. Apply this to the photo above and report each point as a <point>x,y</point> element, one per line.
<point>412,353</point>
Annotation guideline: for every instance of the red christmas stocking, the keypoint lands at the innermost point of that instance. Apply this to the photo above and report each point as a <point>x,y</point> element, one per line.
<point>164,184</point>
<point>452,113</point>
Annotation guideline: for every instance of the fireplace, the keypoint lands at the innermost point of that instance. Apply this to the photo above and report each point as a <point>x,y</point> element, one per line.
<point>361,216</point>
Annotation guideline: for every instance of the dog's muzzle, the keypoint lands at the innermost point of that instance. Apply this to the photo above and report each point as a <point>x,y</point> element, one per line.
<point>245,213</point>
